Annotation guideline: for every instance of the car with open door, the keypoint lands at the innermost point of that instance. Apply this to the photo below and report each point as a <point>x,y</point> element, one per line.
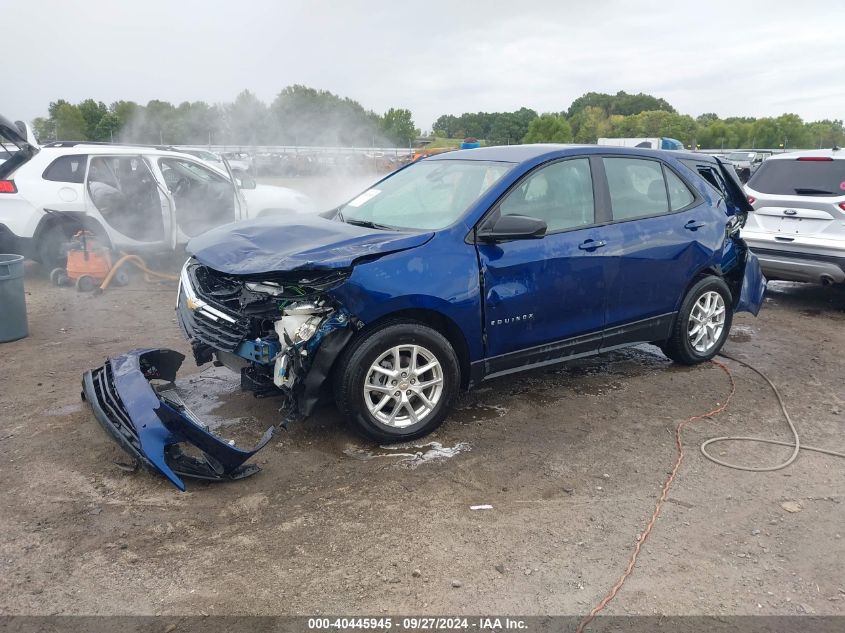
<point>136,198</point>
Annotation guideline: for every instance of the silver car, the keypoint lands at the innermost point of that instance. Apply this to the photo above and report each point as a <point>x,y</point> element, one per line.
<point>797,228</point>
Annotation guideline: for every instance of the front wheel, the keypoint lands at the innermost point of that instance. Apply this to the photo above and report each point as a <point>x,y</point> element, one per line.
<point>702,325</point>
<point>397,382</point>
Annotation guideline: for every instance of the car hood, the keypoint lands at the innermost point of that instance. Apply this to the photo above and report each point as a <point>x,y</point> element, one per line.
<point>280,243</point>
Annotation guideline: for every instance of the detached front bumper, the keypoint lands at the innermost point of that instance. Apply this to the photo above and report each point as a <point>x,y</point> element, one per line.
<point>150,427</point>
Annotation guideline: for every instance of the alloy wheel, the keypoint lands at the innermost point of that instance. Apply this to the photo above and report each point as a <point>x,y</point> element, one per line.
<point>403,386</point>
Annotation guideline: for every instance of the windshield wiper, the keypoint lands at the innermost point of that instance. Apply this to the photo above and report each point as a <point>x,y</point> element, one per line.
<point>371,225</point>
<point>809,191</point>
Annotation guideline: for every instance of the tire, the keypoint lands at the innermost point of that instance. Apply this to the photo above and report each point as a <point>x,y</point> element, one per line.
<point>85,283</point>
<point>688,345</point>
<point>50,248</point>
<point>58,276</point>
<point>359,387</point>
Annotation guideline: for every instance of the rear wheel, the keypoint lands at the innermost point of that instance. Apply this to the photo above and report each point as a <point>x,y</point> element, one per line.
<point>397,382</point>
<point>51,247</point>
<point>703,323</point>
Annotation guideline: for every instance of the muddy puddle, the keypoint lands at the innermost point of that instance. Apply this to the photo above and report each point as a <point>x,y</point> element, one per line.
<point>407,455</point>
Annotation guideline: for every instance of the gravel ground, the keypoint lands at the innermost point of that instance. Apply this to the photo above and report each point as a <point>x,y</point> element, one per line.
<point>571,459</point>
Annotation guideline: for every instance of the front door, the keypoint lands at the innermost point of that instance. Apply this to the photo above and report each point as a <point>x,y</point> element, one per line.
<point>203,198</point>
<point>124,196</point>
<point>545,298</point>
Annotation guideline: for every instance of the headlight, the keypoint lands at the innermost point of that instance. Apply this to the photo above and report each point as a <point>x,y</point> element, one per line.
<point>265,287</point>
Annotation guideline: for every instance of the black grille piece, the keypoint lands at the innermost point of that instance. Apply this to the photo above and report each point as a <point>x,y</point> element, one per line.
<point>111,405</point>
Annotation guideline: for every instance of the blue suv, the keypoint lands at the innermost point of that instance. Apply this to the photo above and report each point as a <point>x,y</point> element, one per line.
<point>455,269</point>
<point>471,265</point>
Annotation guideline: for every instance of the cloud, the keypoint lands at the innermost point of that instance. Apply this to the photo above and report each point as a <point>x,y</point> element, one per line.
<point>731,58</point>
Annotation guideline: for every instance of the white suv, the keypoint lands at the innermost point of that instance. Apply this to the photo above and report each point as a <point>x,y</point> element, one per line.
<point>797,228</point>
<point>134,197</point>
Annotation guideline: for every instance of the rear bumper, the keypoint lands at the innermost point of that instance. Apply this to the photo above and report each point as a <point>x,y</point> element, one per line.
<point>807,267</point>
<point>150,428</point>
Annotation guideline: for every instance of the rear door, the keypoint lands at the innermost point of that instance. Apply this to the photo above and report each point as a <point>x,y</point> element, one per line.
<point>545,298</point>
<point>662,234</point>
<point>122,193</point>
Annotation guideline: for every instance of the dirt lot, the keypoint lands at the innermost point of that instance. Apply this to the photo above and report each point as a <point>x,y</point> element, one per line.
<point>571,459</point>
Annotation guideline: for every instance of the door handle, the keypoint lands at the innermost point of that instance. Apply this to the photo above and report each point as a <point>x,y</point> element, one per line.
<point>591,245</point>
<point>692,225</point>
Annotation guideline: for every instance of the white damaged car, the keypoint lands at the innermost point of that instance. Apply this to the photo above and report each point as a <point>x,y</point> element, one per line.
<point>136,198</point>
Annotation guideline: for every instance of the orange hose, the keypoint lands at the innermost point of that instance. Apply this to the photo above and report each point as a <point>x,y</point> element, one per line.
<point>660,501</point>
<point>149,275</point>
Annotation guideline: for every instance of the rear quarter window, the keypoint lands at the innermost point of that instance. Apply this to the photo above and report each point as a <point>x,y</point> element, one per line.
<point>800,178</point>
<point>67,169</point>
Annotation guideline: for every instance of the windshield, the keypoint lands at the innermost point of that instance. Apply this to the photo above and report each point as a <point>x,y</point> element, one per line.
<point>740,156</point>
<point>800,177</point>
<point>427,195</point>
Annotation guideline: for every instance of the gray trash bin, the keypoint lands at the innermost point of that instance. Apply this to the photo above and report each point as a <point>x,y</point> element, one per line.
<point>12,299</point>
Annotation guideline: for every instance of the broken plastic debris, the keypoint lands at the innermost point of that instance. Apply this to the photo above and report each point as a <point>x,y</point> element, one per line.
<point>484,506</point>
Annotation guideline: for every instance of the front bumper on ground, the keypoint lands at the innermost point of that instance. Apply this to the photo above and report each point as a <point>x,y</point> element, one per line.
<point>151,428</point>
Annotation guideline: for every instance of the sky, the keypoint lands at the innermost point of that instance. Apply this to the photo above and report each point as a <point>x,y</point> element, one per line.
<point>748,58</point>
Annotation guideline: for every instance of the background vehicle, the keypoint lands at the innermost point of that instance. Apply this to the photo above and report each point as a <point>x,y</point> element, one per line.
<point>136,198</point>
<point>239,167</point>
<point>746,163</point>
<point>471,265</point>
<point>645,143</point>
<point>797,228</point>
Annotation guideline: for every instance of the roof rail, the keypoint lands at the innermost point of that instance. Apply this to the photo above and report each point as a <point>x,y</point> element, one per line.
<point>107,144</point>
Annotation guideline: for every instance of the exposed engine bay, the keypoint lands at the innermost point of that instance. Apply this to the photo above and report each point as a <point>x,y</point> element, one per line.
<point>275,330</point>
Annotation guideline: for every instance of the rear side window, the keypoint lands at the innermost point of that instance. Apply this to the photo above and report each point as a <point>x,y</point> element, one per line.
<point>679,194</point>
<point>800,178</point>
<point>637,188</point>
<point>67,169</point>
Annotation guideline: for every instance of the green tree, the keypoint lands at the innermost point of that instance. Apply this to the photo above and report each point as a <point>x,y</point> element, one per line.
<point>397,125</point>
<point>589,124</point>
<point>70,124</point>
<point>621,103</point>
<point>549,128</point>
<point>92,112</point>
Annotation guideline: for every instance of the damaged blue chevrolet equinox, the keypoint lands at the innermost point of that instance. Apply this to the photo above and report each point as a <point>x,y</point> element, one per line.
<point>467,266</point>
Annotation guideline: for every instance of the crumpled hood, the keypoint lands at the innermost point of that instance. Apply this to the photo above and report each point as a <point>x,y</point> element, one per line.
<point>280,243</point>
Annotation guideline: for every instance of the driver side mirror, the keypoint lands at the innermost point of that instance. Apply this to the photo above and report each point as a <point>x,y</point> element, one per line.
<point>246,182</point>
<point>513,227</point>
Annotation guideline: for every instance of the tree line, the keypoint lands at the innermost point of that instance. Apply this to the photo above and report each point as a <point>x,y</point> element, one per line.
<point>595,115</point>
<point>300,115</point>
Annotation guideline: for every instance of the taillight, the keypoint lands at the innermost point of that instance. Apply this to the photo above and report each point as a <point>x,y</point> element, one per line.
<point>8,186</point>
<point>751,199</point>
<point>842,205</point>
<point>825,158</point>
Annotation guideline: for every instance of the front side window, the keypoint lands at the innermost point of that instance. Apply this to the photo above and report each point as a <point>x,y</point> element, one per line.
<point>560,194</point>
<point>67,169</point>
<point>637,188</point>
<point>425,196</point>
